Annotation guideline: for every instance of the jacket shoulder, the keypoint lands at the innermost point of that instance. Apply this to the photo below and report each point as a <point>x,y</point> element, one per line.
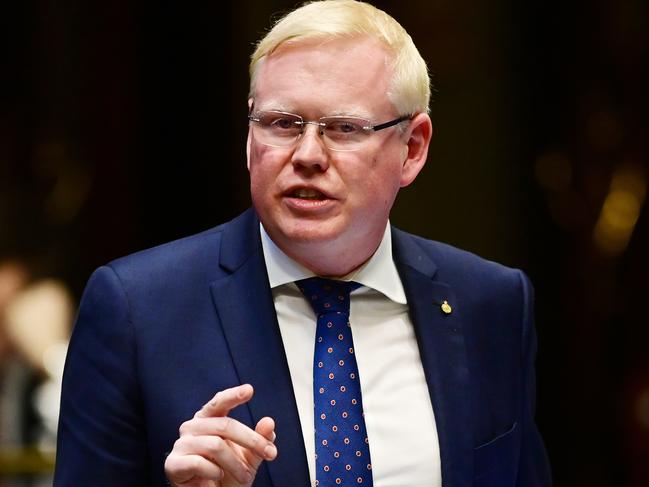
<point>172,256</point>
<point>453,265</point>
<point>196,256</point>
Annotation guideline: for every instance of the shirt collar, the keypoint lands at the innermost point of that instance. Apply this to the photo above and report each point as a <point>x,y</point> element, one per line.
<point>378,273</point>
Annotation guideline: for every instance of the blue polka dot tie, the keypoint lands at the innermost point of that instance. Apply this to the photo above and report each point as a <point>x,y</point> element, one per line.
<point>341,446</point>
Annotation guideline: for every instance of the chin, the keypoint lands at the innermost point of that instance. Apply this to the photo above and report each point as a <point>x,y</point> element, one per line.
<point>309,232</point>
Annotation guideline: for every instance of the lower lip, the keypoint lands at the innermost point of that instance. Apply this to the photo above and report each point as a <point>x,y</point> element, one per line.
<point>306,205</point>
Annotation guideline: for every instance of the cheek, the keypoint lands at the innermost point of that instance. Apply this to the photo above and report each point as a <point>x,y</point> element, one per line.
<point>255,155</point>
<point>265,167</point>
<point>383,175</point>
<point>375,193</point>
<point>257,170</point>
<point>261,183</point>
<point>261,162</point>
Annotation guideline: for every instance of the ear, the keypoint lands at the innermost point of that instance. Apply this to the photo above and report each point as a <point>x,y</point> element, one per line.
<point>248,151</point>
<point>250,103</point>
<point>419,133</point>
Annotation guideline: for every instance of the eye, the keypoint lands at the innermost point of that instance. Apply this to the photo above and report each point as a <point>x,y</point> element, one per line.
<point>280,122</point>
<point>345,126</point>
<point>283,122</point>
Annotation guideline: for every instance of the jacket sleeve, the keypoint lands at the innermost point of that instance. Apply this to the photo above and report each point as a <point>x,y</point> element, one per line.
<point>534,468</point>
<point>102,434</point>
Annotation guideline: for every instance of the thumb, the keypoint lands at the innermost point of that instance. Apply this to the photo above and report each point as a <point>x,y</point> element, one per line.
<point>266,428</point>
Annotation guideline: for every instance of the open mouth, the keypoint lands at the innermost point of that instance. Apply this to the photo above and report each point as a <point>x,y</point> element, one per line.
<point>307,194</point>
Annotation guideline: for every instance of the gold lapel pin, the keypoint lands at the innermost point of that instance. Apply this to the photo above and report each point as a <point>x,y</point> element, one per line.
<point>446,308</point>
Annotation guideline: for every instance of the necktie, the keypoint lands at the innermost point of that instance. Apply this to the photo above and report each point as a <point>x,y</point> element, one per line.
<point>341,446</point>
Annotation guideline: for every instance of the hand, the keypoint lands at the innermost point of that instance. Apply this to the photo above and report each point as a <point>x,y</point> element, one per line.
<point>215,450</point>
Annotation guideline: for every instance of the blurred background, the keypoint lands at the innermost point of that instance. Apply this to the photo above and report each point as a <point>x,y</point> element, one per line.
<point>123,125</point>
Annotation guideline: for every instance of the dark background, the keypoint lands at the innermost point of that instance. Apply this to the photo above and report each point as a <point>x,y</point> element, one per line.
<point>122,126</point>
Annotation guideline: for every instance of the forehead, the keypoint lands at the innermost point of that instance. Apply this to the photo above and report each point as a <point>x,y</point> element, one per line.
<point>343,75</point>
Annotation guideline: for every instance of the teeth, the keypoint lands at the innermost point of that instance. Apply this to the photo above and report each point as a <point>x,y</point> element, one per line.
<point>309,194</point>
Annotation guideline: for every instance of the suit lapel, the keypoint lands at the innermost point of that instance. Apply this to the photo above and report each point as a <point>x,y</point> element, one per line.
<point>443,354</point>
<point>245,307</point>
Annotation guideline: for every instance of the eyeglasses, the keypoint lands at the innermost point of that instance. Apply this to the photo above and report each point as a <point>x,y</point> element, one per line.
<point>280,129</point>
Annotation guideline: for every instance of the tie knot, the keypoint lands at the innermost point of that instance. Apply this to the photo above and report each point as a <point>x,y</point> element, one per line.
<point>327,295</point>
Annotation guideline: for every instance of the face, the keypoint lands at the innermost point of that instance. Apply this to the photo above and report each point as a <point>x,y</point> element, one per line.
<point>328,209</point>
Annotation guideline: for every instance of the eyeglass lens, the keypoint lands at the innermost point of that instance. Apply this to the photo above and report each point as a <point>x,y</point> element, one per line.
<point>282,129</point>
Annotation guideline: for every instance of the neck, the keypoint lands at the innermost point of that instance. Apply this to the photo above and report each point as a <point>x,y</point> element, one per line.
<point>330,259</point>
<point>327,262</point>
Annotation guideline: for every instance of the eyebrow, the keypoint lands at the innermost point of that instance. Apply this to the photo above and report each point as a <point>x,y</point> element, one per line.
<point>273,107</point>
<point>355,112</point>
<point>277,106</point>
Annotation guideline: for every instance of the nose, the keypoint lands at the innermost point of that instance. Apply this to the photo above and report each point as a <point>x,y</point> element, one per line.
<point>310,151</point>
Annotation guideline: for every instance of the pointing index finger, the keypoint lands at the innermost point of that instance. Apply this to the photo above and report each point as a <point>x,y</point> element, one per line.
<point>225,400</point>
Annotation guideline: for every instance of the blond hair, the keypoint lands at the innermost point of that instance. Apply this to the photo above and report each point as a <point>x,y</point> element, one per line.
<point>409,88</point>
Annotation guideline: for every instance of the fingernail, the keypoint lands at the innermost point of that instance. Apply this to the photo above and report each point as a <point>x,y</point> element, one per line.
<point>270,451</point>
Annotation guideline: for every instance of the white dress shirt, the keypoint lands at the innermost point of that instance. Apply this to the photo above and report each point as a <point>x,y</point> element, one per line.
<point>401,429</point>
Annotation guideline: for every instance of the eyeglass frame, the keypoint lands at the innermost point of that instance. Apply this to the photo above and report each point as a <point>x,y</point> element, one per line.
<point>302,122</point>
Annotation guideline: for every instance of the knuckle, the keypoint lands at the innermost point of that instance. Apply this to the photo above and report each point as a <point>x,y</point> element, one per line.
<point>195,463</point>
<point>215,401</point>
<point>184,428</point>
<point>170,463</point>
<point>176,448</point>
<point>175,468</point>
<point>256,440</point>
<point>177,451</point>
<point>218,444</point>
<point>224,425</point>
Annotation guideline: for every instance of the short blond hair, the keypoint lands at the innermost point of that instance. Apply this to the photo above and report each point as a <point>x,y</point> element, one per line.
<point>409,89</point>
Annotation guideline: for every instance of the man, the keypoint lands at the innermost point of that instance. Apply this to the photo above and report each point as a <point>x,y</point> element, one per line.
<point>199,355</point>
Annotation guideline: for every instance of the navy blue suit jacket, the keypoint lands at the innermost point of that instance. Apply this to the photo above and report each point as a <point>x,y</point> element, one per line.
<point>158,333</point>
